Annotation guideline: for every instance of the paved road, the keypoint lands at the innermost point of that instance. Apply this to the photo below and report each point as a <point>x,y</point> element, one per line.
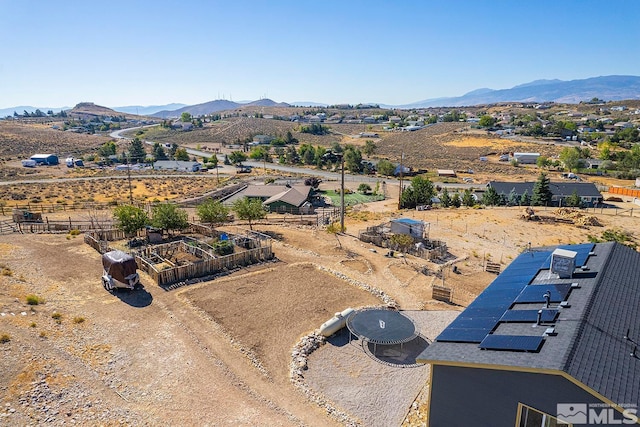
<point>134,175</point>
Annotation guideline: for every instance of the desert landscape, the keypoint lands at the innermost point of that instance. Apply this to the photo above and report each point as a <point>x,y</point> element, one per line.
<point>242,348</point>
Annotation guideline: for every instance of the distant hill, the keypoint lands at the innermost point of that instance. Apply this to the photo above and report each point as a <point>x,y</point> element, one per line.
<point>215,106</point>
<point>607,88</point>
<point>148,110</point>
<point>91,109</point>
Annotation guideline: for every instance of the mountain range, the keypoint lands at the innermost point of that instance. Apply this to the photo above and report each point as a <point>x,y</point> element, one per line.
<point>607,88</point>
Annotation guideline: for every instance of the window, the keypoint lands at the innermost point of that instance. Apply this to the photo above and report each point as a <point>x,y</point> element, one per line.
<point>530,417</point>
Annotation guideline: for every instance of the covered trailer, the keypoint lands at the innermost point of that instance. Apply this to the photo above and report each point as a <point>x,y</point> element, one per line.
<point>120,271</point>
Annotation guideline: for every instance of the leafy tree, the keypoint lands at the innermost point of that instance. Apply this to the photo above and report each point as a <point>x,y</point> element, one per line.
<point>237,157</point>
<point>445,198</point>
<point>213,161</point>
<point>291,155</point>
<point>173,149</point>
<point>571,158</point>
<point>513,198</point>
<point>315,129</point>
<point>543,162</point>
<point>130,219</point>
<point>573,200</point>
<point>185,117</point>
<point>181,155</point>
<point>260,153</point>
<point>364,188</point>
<point>487,121</point>
<point>169,216</point>
<point>313,182</point>
<point>212,212</point>
<point>369,148</point>
<point>541,192</point>
<point>385,167</point>
<point>107,149</point>
<point>401,242</point>
<point>158,152</point>
<point>420,192</point>
<point>456,202</point>
<point>353,159</point>
<point>249,209</point>
<point>491,197</point>
<point>289,139</point>
<point>136,151</point>
<point>468,199</point>
<point>308,154</point>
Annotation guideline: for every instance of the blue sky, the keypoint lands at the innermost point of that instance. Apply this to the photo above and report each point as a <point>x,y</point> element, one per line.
<point>119,53</point>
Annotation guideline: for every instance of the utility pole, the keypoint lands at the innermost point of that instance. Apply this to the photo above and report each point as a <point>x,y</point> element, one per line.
<point>401,175</point>
<point>342,194</point>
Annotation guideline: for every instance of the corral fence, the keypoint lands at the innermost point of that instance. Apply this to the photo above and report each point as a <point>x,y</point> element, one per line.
<point>425,248</point>
<point>442,293</point>
<point>8,227</point>
<point>62,226</point>
<point>156,260</point>
<point>55,207</point>
<point>149,258</point>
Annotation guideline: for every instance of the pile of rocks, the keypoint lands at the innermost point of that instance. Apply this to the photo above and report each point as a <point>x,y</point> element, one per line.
<point>374,291</point>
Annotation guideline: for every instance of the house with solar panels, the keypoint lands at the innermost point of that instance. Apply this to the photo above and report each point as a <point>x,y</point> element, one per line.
<point>560,191</point>
<point>552,340</point>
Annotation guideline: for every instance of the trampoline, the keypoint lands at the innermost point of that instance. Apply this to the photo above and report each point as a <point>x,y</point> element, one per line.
<point>381,326</point>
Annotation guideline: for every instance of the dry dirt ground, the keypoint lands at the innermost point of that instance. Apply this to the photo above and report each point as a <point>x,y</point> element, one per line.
<point>218,352</point>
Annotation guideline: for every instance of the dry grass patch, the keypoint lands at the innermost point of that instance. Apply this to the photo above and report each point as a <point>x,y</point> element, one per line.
<point>269,311</point>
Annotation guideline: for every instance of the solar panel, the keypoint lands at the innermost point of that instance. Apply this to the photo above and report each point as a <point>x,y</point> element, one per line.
<point>511,342</point>
<point>529,316</point>
<point>483,314</point>
<point>535,293</point>
<point>462,335</point>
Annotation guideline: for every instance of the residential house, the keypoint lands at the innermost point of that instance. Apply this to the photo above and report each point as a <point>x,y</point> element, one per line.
<point>277,198</point>
<point>176,165</point>
<point>587,191</point>
<point>553,340</point>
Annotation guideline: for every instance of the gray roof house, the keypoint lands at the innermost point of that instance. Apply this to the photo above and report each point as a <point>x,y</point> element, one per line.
<point>176,165</point>
<point>554,338</point>
<point>587,191</point>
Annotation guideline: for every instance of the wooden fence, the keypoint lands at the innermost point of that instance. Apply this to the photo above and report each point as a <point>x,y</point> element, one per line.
<point>57,207</point>
<point>206,267</point>
<point>57,226</point>
<point>442,293</point>
<point>624,191</point>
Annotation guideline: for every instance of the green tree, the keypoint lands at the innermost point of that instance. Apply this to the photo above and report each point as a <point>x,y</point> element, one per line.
<point>573,200</point>
<point>249,209</point>
<point>385,167</point>
<point>168,216</point>
<point>445,198</point>
<point>185,117</point>
<point>401,242</point>
<point>289,139</point>
<point>237,157</point>
<point>541,192</point>
<point>487,121</point>
<point>456,202</point>
<point>353,159</point>
<point>364,188</point>
<point>512,198</point>
<point>570,157</point>
<point>420,192</point>
<point>212,212</point>
<point>213,161</point>
<point>130,219</point>
<point>525,199</point>
<point>369,148</point>
<point>137,154</point>
<point>468,199</point>
<point>158,152</point>
<point>107,149</point>
<point>543,162</point>
<point>491,197</point>
<point>181,155</point>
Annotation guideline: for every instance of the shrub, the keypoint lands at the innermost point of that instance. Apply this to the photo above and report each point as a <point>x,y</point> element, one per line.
<point>5,338</point>
<point>78,320</point>
<point>33,325</point>
<point>34,299</point>
<point>57,317</point>
<point>223,247</point>
<point>74,232</point>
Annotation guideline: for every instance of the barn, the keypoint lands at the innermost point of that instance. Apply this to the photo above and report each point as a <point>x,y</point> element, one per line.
<point>45,159</point>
